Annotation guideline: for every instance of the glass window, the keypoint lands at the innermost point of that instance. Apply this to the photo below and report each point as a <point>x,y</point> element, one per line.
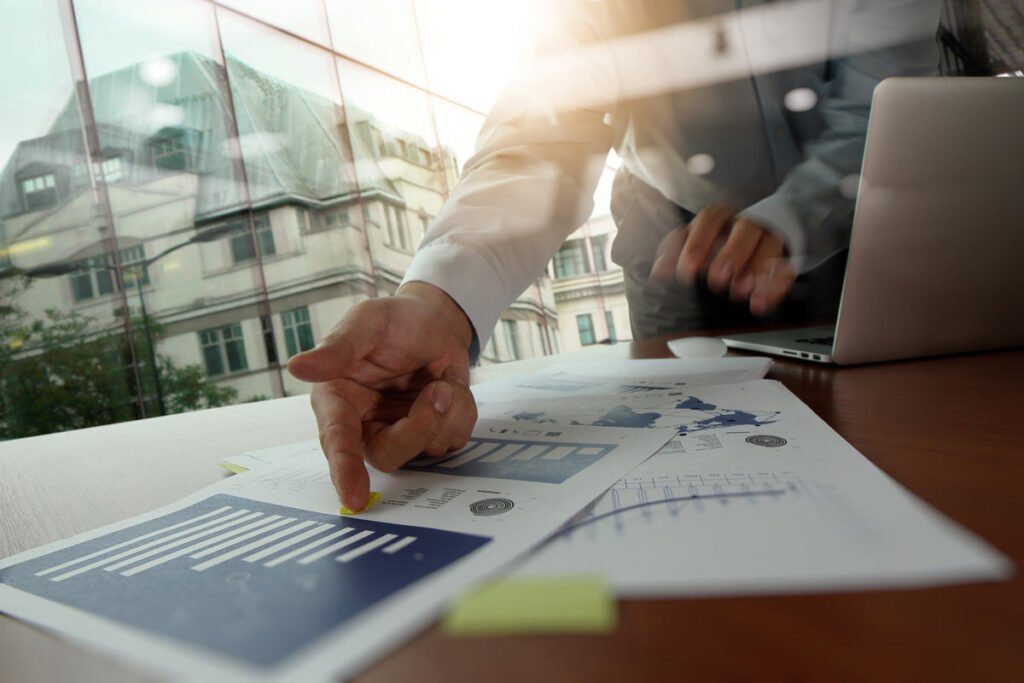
<point>302,17</point>
<point>585,326</point>
<point>223,350</point>
<point>269,344</point>
<point>170,152</point>
<point>571,260</point>
<point>492,31</point>
<point>402,115</point>
<point>598,245</point>
<point>39,192</point>
<point>112,169</point>
<point>511,338</point>
<point>132,266</point>
<point>95,276</point>
<point>242,247</point>
<point>298,330</point>
<point>381,33</point>
<point>609,320</point>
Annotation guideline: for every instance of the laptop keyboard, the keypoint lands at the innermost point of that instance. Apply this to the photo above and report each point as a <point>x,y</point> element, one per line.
<point>818,341</point>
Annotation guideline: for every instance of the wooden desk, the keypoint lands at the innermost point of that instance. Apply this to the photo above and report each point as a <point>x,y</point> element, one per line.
<point>951,430</point>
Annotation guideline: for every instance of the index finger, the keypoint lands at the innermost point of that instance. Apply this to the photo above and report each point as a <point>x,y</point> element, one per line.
<point>341,437</point>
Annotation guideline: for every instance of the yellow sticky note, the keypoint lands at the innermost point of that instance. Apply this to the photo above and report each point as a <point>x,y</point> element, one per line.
<point>566,604</point>
<point>374,498</point>
<point>233,468</point>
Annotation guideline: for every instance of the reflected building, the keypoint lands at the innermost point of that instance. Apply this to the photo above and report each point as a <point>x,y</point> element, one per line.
<point>589,290</point>
<point>264,211</point>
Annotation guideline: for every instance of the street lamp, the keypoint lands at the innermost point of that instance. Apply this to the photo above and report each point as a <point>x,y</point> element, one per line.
<point>140,270</point>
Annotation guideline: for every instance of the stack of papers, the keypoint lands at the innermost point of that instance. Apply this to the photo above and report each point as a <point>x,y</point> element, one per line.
<point>658,478</point>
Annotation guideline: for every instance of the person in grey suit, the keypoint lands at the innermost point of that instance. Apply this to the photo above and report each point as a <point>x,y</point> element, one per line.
<point>741,129</point>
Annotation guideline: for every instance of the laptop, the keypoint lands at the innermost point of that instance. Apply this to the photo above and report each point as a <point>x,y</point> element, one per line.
<point>936,260</point>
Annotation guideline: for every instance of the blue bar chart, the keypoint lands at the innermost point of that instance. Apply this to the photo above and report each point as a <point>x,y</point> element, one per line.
<point>520,459</point>
<point>245,579</point>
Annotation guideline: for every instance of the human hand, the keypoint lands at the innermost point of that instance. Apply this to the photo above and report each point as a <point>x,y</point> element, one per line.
<point>392,382</point>
<point>738,256</point>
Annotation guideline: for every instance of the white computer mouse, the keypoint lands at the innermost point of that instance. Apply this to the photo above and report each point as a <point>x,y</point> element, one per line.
<point>698,347</point>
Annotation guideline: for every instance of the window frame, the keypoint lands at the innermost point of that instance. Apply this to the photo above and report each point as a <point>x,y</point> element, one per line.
<point>609,323</point>
<point>294,322</point>
<point>214,343</point>
<point>511,334</point>
<point>571,252</point>
<point>588,329</point>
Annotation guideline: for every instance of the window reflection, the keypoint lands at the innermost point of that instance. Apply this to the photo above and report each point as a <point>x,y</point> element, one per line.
<point>380,33</point>
<point>231,179</point>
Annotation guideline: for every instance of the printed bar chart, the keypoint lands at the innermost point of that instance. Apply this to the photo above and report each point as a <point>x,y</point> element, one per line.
<point>190,575</point>
<point>520,459</point>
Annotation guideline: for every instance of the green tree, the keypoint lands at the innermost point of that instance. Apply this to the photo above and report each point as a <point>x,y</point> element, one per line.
<point>65,371</point>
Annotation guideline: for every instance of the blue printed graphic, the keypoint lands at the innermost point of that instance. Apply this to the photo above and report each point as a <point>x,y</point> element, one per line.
<point>244,579</point>
<point>686,416</point>
<point>520,459</point>
<point>624,416</point>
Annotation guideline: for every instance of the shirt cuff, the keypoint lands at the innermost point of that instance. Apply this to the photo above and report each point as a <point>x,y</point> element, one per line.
<point>468,278</point>
<point>775,214</point>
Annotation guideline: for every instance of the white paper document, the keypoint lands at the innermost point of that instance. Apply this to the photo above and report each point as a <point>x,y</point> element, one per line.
<point>568,382</point>
<point>259,577</point>
<point>755,495</point>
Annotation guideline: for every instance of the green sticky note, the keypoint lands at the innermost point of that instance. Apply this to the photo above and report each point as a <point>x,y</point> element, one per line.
<point>233,468</point>
<point>371,501</point>
<point>536,605</point>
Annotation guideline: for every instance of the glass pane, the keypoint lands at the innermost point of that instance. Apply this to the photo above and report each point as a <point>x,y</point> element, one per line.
<point>63,353</point>
<point>301,17</point>
<point>385,117</point>
<point>213,360</point>
<point>471,48</point>
<point>159,91</point>
<point>296,151</point>
<point>290,341</point>
<point>235,351</point>
<point>381,33</point>
<point>306,337</point>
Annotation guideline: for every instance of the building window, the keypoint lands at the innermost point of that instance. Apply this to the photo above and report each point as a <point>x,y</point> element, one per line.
<point>609,320</point>
<point>298,330</point>
<point>397,228</point>
<point>545,349</point>
<point>223,350</point>
<point>111,169</point>
<point>170,153</point>
<point>242,247</point>
<point>425,159</point>
<point>95,276</point>
<point>597,250</point>
<point>570,260</point>
<point>378,142</point>
<point>336,219</point>
<point>403,149</point>
<point>267,328</point>
<point>39,192</point>
<point>511,339</point>
<point>585,325</point>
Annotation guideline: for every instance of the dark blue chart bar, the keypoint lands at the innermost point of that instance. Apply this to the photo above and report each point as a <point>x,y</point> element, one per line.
<point>245,579</point>
<point>521,459</point>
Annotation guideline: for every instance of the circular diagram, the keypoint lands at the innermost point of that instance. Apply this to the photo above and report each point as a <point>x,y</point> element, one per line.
<point>766,440</point>
<point>491,506</point>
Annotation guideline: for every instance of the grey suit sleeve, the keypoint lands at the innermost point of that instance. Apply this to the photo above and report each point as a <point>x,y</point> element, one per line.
<point>813,207</point>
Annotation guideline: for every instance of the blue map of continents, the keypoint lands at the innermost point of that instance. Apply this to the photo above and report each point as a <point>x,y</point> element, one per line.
<point>709,416</point>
